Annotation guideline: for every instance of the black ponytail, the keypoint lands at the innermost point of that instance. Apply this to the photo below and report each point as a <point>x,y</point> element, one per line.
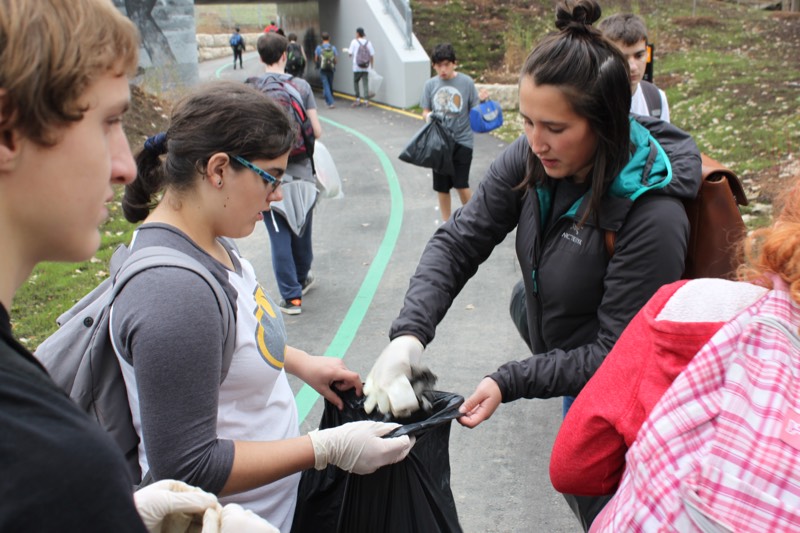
<point>138,198</point>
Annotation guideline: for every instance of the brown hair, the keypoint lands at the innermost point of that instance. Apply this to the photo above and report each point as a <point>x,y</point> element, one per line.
<point>626,28</point>
<point>593,76</point>
<point>51,51</point>
<point>255,127</point>
<point>776,248</point>
<point>271,47</point>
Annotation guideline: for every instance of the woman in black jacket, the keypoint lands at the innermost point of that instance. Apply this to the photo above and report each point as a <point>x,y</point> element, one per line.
<point>583,170</point>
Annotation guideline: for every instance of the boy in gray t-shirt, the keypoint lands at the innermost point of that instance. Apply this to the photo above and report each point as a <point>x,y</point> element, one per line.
<point>451,95</point>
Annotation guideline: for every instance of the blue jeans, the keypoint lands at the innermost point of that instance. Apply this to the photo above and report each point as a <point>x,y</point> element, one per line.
<point>291,255</point>
<point>566,403</point>
<point>327,85</point>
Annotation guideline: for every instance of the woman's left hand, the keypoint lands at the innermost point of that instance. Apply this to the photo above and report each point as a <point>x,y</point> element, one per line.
<point>322,374</point>
<point>482,404</point>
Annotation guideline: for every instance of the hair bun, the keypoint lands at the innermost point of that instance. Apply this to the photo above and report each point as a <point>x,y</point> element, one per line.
<point>577,15</point>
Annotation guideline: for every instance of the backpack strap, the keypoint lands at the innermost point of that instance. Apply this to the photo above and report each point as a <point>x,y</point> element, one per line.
<point>715,171</point>
<point>125,265</point>
<point>160,256</point>
<point>652,97</point>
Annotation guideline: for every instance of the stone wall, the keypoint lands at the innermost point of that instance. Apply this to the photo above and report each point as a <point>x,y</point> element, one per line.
<point>214,46</point>
<point>506,95</point>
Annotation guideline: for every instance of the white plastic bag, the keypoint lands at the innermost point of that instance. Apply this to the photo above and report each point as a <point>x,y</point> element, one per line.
<point>328,181</point>
<point>375,82</point>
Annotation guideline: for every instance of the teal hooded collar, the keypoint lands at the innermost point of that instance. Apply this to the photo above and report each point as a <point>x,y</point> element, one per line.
<point>648,169</point>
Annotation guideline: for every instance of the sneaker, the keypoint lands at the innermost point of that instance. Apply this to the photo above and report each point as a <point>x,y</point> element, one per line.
<point>357,103</point>
<point>308,283</point>
<point>365,103</point>
<point>331,106</point>
<point>292,307</point>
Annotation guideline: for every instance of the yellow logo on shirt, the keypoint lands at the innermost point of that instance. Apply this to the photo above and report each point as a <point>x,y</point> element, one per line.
<point>263,313</point>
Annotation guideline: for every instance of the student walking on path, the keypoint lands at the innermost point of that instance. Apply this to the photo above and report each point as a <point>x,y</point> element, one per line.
<point>289,221</point>
<point>237,44</point>
<point>325,57</point>
<point>363,54</point>
<point>450,95</point>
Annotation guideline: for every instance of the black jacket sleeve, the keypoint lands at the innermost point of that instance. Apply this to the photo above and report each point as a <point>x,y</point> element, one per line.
<point>460,245</point>
<point>650,251</point>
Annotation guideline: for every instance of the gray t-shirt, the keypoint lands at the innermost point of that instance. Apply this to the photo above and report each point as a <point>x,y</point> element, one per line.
<point>453,99</point>
<point>167,332</point>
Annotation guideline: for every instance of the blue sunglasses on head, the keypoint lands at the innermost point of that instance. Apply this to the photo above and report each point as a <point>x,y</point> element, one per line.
<point>263,174</point>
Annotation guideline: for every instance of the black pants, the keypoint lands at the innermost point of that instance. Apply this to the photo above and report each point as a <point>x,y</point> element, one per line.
<point>237,53</point>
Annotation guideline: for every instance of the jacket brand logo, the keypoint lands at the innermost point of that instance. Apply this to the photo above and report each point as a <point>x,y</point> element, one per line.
<point>568,235</point>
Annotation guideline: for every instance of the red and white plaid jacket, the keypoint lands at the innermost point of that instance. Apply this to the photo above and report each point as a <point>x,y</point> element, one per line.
<point>721,449</point>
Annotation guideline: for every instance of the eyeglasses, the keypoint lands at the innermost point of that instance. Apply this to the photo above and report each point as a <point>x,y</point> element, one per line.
<point>263,174</point>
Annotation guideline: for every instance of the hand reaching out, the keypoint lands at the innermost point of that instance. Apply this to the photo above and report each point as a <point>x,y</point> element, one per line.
<point>481,404</point>
<point>322,374</point>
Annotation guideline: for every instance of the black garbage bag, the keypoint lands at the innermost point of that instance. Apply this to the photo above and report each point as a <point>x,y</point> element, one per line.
<point>411,496</point>
<point>431,147</point>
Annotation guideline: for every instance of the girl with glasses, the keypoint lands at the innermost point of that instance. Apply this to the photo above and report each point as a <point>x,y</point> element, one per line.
<point>207,179</point>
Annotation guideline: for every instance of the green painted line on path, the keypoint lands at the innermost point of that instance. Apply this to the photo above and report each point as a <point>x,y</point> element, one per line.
<point>338,347</point>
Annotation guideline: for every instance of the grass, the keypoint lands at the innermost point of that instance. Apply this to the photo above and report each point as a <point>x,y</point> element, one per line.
<point>55,287</point>
<point>731,75</point>
<point>222,18</point>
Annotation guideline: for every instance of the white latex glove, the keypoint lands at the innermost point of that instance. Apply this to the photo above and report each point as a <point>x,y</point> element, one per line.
<point>433,115</point>
<point>233,518</point>
<point>388,384</point>
<point>358,447</point>
<point>167,506</point>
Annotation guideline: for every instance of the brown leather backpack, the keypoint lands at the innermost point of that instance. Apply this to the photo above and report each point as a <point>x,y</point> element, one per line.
<point>716,225</point>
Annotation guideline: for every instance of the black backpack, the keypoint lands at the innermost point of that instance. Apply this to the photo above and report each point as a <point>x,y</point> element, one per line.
<point>652,98</point>
<point>295,62</point>
<point>289,97</point>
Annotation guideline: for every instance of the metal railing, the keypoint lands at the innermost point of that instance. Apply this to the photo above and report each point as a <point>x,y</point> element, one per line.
<point>400,10</point>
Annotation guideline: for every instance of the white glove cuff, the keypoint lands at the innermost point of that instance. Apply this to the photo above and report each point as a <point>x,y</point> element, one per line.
<point>320,453</point>
<point>412,346</point>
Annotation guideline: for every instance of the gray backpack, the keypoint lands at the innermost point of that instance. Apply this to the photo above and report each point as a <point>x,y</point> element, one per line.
<point>363,56</point>
<point>652,98</point>
<point>80,357</point>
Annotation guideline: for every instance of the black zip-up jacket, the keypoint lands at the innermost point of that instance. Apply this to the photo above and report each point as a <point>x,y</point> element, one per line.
<point>578,298</point>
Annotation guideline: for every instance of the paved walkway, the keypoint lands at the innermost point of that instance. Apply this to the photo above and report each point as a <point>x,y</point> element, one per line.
<point>366,247</point>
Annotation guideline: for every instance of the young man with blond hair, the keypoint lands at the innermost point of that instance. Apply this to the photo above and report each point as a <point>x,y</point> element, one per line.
<point>62,147</point>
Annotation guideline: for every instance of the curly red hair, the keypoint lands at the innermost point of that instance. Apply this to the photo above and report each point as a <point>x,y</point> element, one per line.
<point>776,249</point>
